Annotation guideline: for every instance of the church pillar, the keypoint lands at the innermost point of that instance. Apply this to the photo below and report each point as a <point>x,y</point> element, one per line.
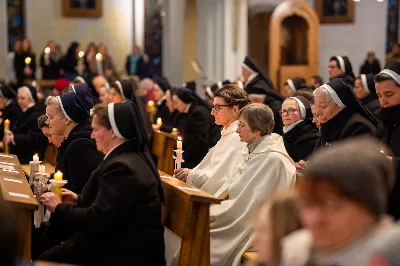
<point>189,41</point>
<point>4,40</point>
<point>138,22</point>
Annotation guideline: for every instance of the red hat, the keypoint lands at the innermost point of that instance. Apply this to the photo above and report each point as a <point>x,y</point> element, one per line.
<point>61,84</point>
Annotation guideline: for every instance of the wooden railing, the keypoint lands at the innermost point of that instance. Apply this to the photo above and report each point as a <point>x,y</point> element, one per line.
<point>163,145</point>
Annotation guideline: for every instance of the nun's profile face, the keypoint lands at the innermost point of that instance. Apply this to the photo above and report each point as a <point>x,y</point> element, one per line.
<point>158,92</point>
<point>287,92</point>
<point>315,119</point>
<point>24,99</point>
<point>102,135</point>
<point>326,108</point>
<point>179,104</point>
<point>245,74</point>
<point>290,112</point>
<point>116,97</point>
<point>359,90</point>
<point>334,69</point>
<point>388,93</point>
<point>56,120</point>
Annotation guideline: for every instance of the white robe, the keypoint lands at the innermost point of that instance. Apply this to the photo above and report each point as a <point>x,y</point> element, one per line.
<point>267,170</point>
<point>220,162</point>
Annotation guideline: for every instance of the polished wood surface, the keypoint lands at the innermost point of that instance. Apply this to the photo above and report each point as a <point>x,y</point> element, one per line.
<point>186,213</point>
<point>163,145</point>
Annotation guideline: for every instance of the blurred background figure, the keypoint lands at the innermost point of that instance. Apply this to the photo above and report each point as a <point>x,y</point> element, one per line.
<point>132,60</point>
<point>371,65</point>
<point>25,63</point>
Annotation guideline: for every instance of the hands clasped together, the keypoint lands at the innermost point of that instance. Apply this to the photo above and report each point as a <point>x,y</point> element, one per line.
<point>51,201</point>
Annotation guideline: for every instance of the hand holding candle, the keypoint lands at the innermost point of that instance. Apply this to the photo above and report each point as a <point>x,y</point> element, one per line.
<point>47,54</point>
<point>58,176</point>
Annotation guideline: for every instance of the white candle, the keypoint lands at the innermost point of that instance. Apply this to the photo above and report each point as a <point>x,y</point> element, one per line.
<point>42,169</point>
<point>46,53</point>
<point>179,144</point>
<point>159,122</point>
<point>99,64</point>
<point>35,158</point>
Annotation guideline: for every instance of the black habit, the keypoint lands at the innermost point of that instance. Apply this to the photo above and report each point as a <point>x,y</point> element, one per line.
<point>178,121</point>
<point>163,113</point>
<point>117,220</point>
<point>28,138</point>
<point>300,141</point>
<point>371,102</point>
<point>368,68</point>
<point>10,112</point>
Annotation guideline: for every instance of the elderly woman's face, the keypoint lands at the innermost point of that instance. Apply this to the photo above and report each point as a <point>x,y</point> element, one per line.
<point>315,119</point>
<point>56,120</point>
<point>326,109</point>
<point>290,112</point>
<point>388,93</point>
<point>179,104</point>
<point>101,135</point>
<point>24,99</point>
<point>246,133</point>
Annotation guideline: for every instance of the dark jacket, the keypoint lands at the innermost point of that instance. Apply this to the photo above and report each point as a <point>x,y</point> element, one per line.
<point>300,141</point>
<point>344,125</point>
<point>163,113</point>
<point>272,99</point>
<point>11,112</point>
<point>19,66</point>
<point>388,131</point>
<point>371,102</point>
<point>78,157</point>
<point>117,220</point>
<point>28,138</point>
<point>199,134</point>
<point>368,68</point>
<point>178,121</point>
<point>50,71</point>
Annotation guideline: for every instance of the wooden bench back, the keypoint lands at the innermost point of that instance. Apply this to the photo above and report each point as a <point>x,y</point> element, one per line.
<point>186,213</point>
<point>163,145</point>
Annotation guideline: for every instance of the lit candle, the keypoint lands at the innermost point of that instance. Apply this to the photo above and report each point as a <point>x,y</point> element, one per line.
<point>42,169</point>
<point>28,61</point>
<point>58,176</point>
<point>179,143</point>
<point>99,57</point>
<point>46,53</point>
<point>80,62</point>
<point>174,130</point>
<point>6,131</point>
<point>159,122</point>
<point>35,158</point>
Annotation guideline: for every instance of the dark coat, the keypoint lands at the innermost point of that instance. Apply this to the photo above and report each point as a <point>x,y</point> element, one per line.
<point>78,157</point>
<point>163,113</point>
<point>368,68</point>
<point>372,103</point>
<point>28,138</point>
<point>388,131</point>
<point>117,220</point>
<point>300,141</point>
<point>50,71</point>
<point>344,125</point>
<point>19,66</point>
<point>199,134</point>
<point>178,121</point>
<point>11,112</point>
<point>272,99</point>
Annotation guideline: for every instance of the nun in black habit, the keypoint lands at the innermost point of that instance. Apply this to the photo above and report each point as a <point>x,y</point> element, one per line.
<point>117,218</point>
<point>341,113</point>
<point>190,85</point>
<point>8,106</point>
<point>257,82</point>
<point>178,119</point>
<point>340,67</point>
<point>299,133</point>
<point>388,130</point>
<point>364,89</point>
<point>26,139</point>
<point>161,86</point>
<point>291,86</point>
<point>199,131</point>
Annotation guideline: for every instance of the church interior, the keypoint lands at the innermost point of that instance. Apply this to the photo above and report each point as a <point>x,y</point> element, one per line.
<point>200,132</point>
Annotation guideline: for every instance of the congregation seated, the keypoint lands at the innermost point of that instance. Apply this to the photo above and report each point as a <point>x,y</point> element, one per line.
<point>340,67</point>
<point>299,134</point>
<point>25,138</point>
<point>364,89</point>
<point>221,161</point>
<point>291,86</point>
<point>8,106</point>
<point>342,202</point>
<point>161,86</point>
<point>199,131</point>
<point>117,217</point>
<point>265,168</point>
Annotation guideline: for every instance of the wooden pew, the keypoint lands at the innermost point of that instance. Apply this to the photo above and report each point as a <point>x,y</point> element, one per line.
<point>15,190</point>
<point>163,146</point>
<point>187,214</point>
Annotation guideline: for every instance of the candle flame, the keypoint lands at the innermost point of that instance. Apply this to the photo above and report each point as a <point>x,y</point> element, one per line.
<point>81,54</point>
<point>179,138</point>
<point>28,60</point>
<point>58,172</point>
<point>174,130</point>
<point>99,56</point>
<point>150,104</point>
<point>47,50</point>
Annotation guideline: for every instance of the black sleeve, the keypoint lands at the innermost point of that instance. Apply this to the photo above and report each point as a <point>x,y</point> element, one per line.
<point>127,65</point>
<point>42,65</point>
<point>33,66</point>
<point>357,128</point>
<point>117,192</point>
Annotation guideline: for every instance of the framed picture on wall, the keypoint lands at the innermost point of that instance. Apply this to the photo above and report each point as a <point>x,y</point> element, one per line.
<point>335,11</point>
<point>82,8</point>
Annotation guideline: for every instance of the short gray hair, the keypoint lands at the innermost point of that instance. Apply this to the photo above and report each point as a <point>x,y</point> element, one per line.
<point>53,100</point>
<point>321,91</point>
<point>259,117</point>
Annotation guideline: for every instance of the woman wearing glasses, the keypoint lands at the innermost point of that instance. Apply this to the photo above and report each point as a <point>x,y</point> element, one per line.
<point>299,134</point>
<point>221,161</point>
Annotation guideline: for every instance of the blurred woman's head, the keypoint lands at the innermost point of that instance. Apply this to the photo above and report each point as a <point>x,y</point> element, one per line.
<point>26,46</point>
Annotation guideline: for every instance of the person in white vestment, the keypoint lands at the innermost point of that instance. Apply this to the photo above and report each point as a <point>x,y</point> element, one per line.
<point>264,169</point>
<point>221,161</point>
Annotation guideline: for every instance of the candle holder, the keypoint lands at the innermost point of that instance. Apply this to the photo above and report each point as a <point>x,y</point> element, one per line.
<point>34,169</point>
<point>38,190</point>
<point>178,158</point>
<point>56,186</point>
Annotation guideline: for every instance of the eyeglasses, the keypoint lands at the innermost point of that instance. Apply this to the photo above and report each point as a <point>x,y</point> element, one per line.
<point>332,67</point>
<point>289,111</point>
<point>217,107</point>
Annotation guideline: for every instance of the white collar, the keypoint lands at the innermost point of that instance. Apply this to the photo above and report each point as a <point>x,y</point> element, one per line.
<point>250,79</point>
<point>287,129</point>
<point>110,151</point>
<point>29,106</point>
<point>231,129</point>
<point>159,102</point>
<point>187,108</point>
